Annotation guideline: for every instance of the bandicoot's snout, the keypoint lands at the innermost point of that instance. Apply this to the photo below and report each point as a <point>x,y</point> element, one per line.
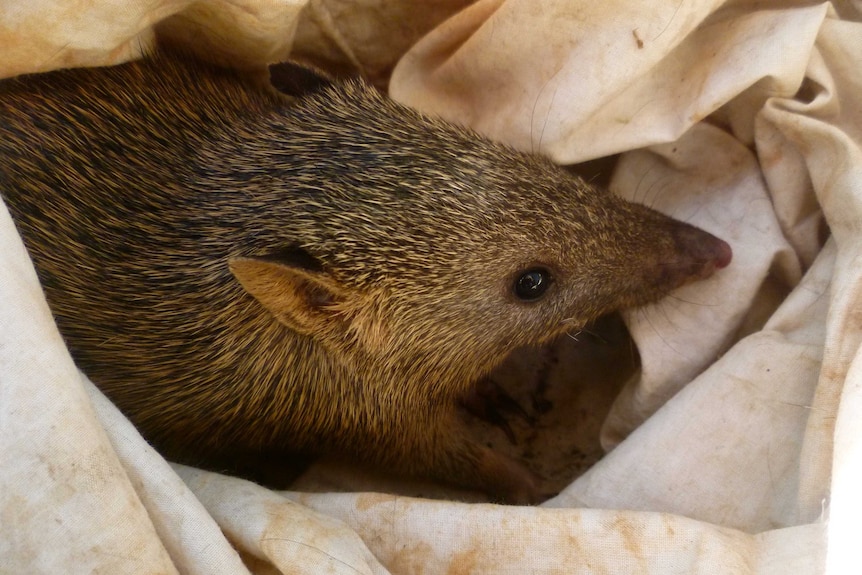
<point>700,255</point>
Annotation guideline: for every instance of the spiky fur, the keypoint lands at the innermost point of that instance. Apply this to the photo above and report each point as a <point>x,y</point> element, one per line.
<point>134,186</point>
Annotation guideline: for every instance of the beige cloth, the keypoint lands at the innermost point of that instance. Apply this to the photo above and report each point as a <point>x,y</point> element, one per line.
<point>738,449</point>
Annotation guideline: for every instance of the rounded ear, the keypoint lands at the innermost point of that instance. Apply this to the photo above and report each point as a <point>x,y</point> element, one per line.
<point>297,80</point>
<point>305,299</point>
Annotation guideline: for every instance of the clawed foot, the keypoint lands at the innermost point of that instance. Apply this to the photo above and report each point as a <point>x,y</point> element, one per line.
<point>488,401</point>
<point>509,482</point>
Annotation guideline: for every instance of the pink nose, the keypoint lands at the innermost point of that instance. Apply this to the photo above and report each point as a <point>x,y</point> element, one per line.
<point>712,250</point>
<point>701,254</point>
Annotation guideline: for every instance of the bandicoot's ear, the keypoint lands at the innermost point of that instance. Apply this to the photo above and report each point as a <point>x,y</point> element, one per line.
<point>305,299</point>
<point>296,79</point>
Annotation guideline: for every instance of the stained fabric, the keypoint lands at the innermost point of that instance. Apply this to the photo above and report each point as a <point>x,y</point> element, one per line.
<point>736,447</point>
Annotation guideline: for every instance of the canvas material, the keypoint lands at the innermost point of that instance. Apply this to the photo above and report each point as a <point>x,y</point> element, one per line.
<point>736,449</point>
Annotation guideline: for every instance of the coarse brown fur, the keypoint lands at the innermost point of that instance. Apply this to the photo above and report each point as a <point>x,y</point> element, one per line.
<point>243,274</point>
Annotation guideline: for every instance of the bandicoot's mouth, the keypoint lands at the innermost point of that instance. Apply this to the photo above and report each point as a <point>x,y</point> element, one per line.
<point>706,270</point>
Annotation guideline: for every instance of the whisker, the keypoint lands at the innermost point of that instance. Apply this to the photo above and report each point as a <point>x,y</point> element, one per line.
<point>657,332</point>
<point>639,185</point>
<point>547,116</point>
<point>697,303</point>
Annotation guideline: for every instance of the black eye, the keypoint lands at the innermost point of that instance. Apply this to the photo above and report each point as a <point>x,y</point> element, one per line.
<point>532,284</point>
